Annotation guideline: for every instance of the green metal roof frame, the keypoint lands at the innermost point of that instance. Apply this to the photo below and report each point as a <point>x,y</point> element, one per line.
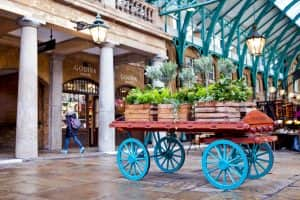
<point>233,23</point>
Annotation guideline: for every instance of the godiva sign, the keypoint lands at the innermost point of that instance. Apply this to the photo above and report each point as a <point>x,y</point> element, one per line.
<point>85,69</point>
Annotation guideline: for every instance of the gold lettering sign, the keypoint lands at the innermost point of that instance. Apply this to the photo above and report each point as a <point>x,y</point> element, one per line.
<point>85,69</point>
<point>128,78</point>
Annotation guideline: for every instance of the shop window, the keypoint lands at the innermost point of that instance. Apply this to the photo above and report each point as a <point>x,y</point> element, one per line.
<point>74,103</point>
<point>81,86</point>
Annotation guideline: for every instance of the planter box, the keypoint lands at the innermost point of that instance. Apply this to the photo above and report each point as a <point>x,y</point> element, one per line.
<point>166,112</point>
<point>217,111</point>
<point>140,112</point>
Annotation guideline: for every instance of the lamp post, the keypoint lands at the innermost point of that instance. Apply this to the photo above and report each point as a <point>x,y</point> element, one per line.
<point>98,29</point>
<point>255,42</point>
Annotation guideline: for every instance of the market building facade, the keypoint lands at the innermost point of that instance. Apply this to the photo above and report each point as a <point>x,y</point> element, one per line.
<point>38,86</point>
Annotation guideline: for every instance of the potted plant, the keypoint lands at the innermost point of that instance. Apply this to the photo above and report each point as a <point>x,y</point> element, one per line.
<point>185,97</point>
<point>141,105</point>
<point>226,95</point>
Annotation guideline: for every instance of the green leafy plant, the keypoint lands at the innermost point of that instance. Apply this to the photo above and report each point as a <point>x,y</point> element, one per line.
<point>148,96</point>
<point>187,75</point>
<point>226,66</point>
<point>230,90</point>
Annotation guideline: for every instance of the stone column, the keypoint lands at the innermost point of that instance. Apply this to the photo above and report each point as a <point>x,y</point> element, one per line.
<point>157,61</point>
<point>106,135</point>
<point>55,105</point>
<point>27,108</point>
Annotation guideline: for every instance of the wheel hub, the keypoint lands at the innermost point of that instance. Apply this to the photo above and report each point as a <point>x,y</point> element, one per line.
<point>169,154</point>
<point>223,165</point>
<point>131,159</point>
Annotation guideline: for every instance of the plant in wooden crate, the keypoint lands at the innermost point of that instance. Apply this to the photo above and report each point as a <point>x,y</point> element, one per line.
<point>185,97</point>
<point>226,95</point>
<point>140,105</point>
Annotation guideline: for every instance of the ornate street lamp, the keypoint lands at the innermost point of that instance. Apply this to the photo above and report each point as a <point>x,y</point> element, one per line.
<point>255,42</point>
<point>98,29</point>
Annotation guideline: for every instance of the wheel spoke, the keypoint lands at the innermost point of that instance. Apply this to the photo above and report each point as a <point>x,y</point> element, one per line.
<point>260,165</point>
<point>218,152</point>
<point>235,159</point>
<point>174,145</point>
<point>140,158</point>
<point>175,155</point>
<point>219,174</point>
<point>175,161</point>
<point>224,151</point>
<point>126,165</point>
<point>134,169</point>
<point>261,154</point>
<point>225,177</point>
<point>236,172</point>
<point>213,170</point>
<point>255,168</point>
<point>130,168</point>
<point>177,150</point>
<point>264,160</point>
<point>230,153</point>
<point>165,159</point>
<point>138,168</point>
<point>213,155</point>
<point>230,176</point>
<point>172,164</point>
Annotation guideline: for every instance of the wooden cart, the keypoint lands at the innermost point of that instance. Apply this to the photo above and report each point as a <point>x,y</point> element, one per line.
<point>239,150</point>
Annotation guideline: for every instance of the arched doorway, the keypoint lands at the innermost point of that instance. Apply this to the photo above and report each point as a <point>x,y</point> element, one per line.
<point>81,96</point>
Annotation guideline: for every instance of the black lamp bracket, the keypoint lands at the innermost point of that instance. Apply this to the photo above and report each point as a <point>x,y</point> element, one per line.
<point>80,25</point>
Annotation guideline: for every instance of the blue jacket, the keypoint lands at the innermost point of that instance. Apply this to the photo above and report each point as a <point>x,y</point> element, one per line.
<point>70,132</point>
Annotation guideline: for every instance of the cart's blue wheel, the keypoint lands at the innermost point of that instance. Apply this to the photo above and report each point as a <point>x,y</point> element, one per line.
<point>169,154</point>
<point>133,159</point>
<point>260,158</point>
<point>225,164</point>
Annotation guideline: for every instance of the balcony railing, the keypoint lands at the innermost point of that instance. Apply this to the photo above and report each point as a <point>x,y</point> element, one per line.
<point>137,8</point>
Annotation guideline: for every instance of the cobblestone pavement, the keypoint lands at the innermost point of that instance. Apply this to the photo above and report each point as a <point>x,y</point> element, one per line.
<point>98,178</point>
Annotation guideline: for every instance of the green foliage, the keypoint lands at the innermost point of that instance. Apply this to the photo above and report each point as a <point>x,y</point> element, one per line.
<point>153,73</point>
<point>185,95</point>
<point>148,96</point>
<point>226,66</point>
<point>168,71</point>
<point>230,90</point>
<point>188,77</point>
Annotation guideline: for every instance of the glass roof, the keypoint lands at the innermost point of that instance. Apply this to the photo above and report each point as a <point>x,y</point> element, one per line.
<point>292,12</point>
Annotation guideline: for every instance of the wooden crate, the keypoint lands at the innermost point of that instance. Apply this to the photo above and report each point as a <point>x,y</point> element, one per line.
<point>217,111</point>
<point>140,112</point>
<point>167,112</point>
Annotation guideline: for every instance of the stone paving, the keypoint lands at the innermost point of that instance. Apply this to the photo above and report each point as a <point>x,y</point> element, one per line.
<point>97,177</point>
